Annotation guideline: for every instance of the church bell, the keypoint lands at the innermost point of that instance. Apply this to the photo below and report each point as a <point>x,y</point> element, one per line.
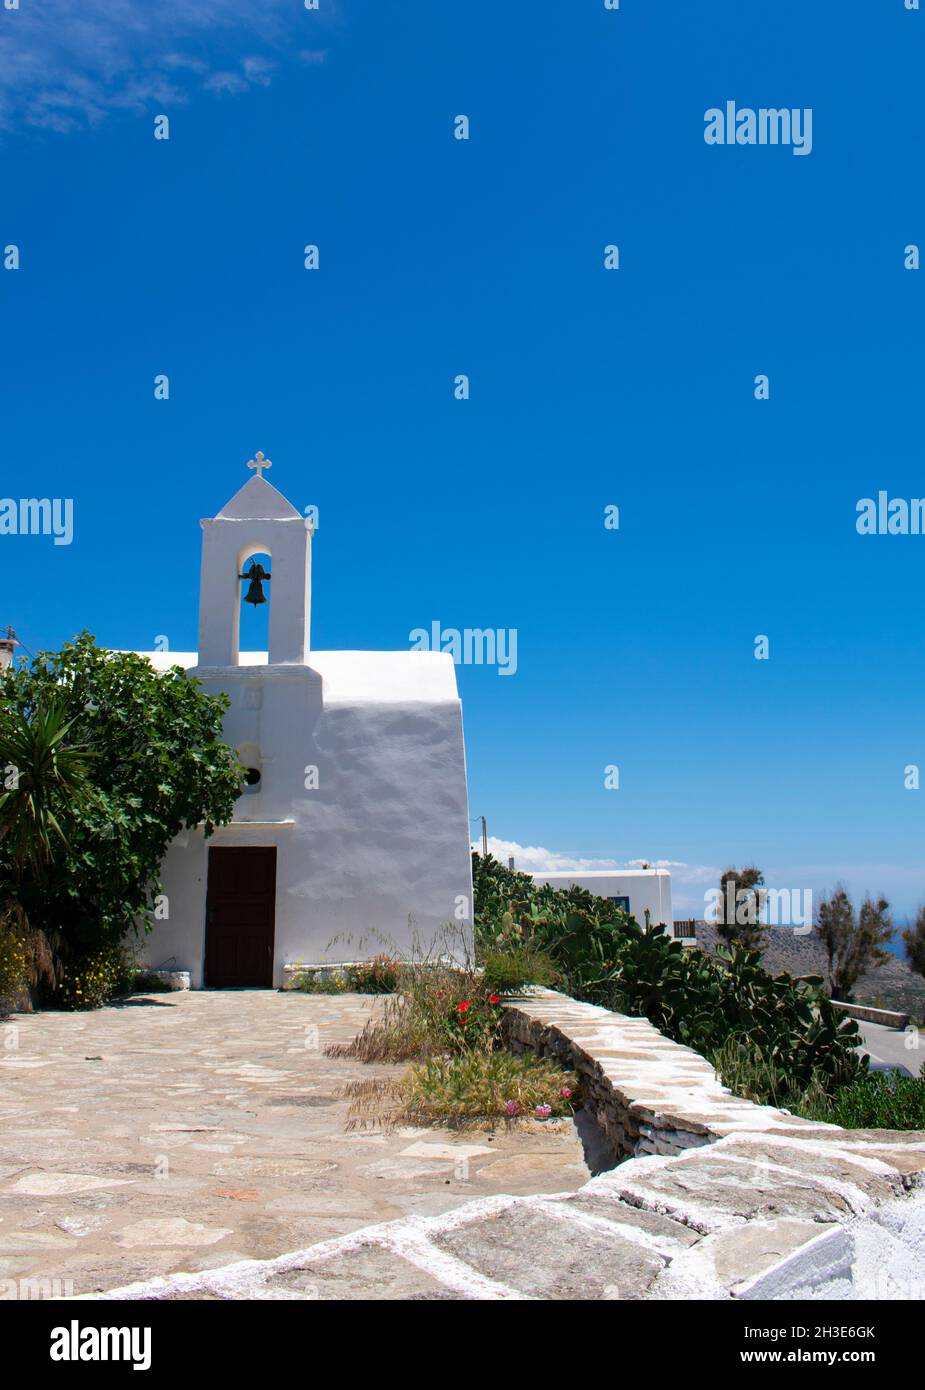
<point>256,574</point>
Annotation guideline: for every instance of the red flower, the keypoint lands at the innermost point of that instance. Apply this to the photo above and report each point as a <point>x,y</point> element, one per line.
<point>494,999</point>
<point>466,1004</point>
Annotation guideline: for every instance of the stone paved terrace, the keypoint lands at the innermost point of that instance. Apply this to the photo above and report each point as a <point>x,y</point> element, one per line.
<point>726,1200</point>
<point>267,1197</point>
<point>229,1098</point>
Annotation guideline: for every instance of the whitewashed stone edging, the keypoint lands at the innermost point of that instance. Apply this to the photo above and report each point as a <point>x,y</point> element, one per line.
<point>709,1224</point>
<point>174,979</point>
<point>868,1014</point>
<point>648,1094</point>
<point>294,970</point>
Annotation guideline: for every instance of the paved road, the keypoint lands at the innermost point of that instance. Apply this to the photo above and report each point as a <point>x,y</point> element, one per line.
<point>890,1047</point>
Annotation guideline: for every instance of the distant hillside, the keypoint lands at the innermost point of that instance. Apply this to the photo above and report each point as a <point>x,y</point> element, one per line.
<point>890,986</point>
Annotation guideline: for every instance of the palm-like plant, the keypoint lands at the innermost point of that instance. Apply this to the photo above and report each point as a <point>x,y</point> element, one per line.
<point>43,781</point>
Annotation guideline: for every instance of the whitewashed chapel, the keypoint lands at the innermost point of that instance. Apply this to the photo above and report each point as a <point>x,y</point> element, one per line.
<point>355,816</point>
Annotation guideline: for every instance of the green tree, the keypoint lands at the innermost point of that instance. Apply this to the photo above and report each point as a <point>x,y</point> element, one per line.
<point>914,941</point>
<point>152,764</point>
<point>741,907</point>
<point>854,943</point>
<point>44,778</point>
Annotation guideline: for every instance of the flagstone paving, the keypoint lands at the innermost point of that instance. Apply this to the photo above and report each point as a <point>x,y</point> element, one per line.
<point>185,1132</point>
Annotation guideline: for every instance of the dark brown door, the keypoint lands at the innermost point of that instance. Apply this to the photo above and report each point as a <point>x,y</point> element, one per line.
<point>240,917</point>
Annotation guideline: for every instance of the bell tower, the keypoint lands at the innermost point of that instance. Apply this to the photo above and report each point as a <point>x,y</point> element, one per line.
<point>258,520</point>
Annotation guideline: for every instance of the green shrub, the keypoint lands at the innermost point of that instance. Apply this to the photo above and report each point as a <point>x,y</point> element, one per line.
<point>322,982</point>
<point>378,975</point>
<point>706,1002</point>
<point>140,981</point>
<point>27,960</point>
<point>747,1071</point>
<point>87,982</point>
<point>514,967</point>
<point>606,958</point>
<point>878,1100</point>
<point>14,960</point>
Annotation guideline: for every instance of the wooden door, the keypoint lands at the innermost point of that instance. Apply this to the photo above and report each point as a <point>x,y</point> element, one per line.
<point>240,917</point>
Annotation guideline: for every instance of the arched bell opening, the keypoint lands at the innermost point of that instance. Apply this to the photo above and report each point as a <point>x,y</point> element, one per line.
<point>255,576</point>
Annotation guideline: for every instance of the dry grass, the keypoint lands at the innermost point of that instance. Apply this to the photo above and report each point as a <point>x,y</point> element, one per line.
<point>446,1019</point>
<point>474,1089</point>
<point>493,1084</point>
<point>424,1020</point>
<point>397,1035</point>
<point>377,1103</point>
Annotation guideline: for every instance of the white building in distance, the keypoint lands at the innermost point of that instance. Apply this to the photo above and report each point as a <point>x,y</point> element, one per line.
<point>352,835</point>
<point>635,890</point>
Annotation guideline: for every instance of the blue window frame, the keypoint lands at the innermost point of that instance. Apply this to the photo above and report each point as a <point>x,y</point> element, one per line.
<point>623,903</point>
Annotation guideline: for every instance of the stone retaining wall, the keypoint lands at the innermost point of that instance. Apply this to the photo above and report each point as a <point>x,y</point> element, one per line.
<point>648,1094</point>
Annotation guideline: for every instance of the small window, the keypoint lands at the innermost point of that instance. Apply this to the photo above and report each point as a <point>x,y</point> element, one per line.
<point>251,760</point>
<point>622,903</point>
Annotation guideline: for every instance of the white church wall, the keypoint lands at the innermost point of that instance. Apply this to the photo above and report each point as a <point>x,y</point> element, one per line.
<point>176,942</point>
<point>379,833</point>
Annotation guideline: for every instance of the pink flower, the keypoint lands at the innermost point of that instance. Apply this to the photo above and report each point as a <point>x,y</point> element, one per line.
<point>565,1092</point>
<point>511,1107</point>
<point>542,1111</point>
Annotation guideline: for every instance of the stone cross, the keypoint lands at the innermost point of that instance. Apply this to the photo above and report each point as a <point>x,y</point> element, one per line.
<point>260,463</point>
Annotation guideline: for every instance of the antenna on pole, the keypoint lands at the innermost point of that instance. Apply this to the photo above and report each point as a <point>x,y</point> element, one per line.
<point>484,838</point>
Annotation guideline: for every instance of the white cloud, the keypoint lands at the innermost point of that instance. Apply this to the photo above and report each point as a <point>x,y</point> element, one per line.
<point>68,63</point>
<point>535,859</point>
<point>183,60</point>
<point>229,82</point>
<point>257,70</point>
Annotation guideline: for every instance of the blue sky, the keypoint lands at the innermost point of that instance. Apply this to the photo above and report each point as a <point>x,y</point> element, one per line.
<point>587,387</point>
